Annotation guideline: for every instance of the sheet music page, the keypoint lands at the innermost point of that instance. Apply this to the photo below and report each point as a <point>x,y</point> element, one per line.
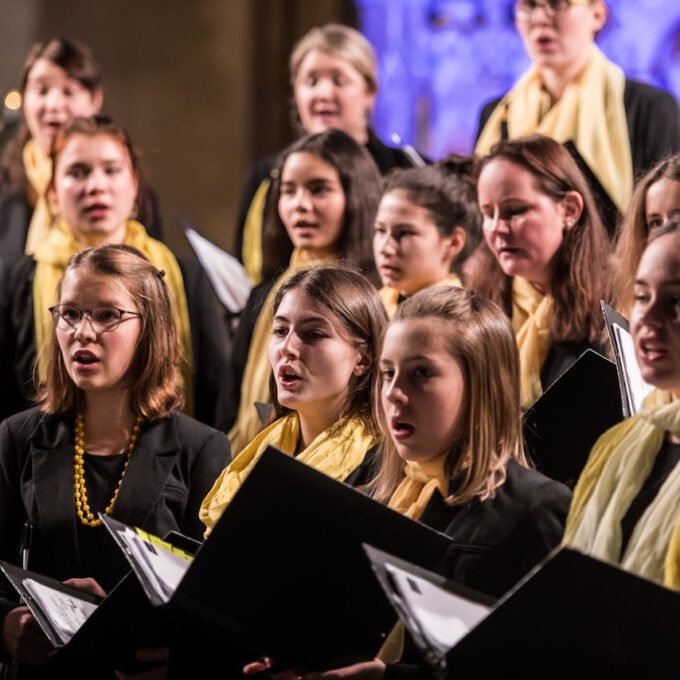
<point>442,617</point>
<point>66,612</point>
<point>636,387</point>
<point>227,275</point>
<point>162,569</point>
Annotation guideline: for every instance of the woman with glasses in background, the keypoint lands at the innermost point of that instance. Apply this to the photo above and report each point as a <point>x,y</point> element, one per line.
<point>619,126</point>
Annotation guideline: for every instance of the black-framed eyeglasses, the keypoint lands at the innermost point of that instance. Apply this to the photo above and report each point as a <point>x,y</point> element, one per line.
<point>103,319</point>
<point>524,8</point>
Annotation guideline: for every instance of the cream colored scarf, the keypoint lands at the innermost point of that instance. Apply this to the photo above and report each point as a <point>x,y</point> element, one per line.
<point>590,112</point>
<point>390,296</point>
<point>255,383</point>
<point>53,254</point>
<point>619,464</point>
<point>336,452</point>
<point>251,251</point>
<point>531,312</point>
<point>38,169</point>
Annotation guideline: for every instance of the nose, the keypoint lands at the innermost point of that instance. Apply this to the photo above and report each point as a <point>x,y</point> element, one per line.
<point>393,391</point>
<point>385,244</point>
<point>496,225</point>
<point>303,202</point>
<point>54,98</point>
<point>290,347</point>
<point>652,314</point>
<point>95,181</point>
<point>325,87</point>
<point>85,331</point>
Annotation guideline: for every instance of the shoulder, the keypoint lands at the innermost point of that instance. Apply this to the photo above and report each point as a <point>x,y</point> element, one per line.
<point>26,425</point>
<point>386,157</point>
<point>485,113</point>
<point>637,92</point>
<point>194,435</point>
<point>530,491</point>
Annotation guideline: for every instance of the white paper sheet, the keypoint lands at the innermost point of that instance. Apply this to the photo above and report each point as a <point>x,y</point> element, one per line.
<point>441,617</point>
<point>65,612</point>
<point>636,388</point>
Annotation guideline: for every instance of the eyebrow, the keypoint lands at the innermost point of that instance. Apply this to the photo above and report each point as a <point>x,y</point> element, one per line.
<point>307,319</point>
<point>672,282</point>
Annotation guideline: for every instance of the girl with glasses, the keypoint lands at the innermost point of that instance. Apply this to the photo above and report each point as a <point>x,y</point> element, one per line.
<point>573,92</point>
<point>106,437</point>
<point>94,188</point>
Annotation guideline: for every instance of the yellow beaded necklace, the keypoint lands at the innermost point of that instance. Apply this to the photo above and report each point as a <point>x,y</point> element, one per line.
<point>82,506</point>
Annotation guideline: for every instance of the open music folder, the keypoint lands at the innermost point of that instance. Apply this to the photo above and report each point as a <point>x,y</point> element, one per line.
<point>284,572</point>
<point>633,387</point>
<point>562,425</point>
<point>572,617</point>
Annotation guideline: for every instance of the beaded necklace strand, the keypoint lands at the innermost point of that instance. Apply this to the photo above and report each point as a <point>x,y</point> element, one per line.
<point>82,506</point>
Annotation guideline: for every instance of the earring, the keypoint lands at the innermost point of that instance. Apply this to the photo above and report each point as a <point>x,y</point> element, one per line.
<point>568,224</point>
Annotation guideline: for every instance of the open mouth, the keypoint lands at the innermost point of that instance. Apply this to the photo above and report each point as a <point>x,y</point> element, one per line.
<point>401,429</point>
<point>288,377</point>
<point>652,351</point>
<point>84,358</point>
<point>96,210</point>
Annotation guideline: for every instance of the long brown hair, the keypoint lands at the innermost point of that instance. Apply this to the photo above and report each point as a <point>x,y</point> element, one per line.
<point>579,278</point>
<point>155,371</point>
<point>634,232</point>
<point>79,63</point>
<point>479,337</point>
<point>360,181</point>
<point>345,294</point>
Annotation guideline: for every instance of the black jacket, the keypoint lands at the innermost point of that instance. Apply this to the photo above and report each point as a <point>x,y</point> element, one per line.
<point>210,342</point>
<point>496,541</point>
<point>172,468</point>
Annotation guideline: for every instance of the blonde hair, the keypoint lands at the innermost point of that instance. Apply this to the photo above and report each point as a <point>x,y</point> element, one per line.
<point>478,335</point>
<point>155,371</point>
<point>339,41</point>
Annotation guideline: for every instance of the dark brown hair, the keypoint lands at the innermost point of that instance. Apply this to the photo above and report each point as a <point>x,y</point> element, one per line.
<point>346,295</point>
<point>360,181</point>
<point>579,278</point>
<point>448,191</point>
<point>155,371</point>
<point>79,63</point>
<point>634,232</point>
<point>478,335</point>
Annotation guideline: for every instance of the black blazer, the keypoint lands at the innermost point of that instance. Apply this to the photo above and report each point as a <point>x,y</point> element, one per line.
<point>653,123</point>
<point>172,468</point>
<point>496,541</point>
<point>209,338</point>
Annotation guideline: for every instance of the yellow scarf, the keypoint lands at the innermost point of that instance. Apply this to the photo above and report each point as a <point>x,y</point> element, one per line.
<point>410,498</point>
<point>38,169</point>
<point>619,464</point>
<point>390,296</point>
<point>420,481</point>
<point>590,112</point>
<point>53,254</point>
<point>255,383</point>
<point>531,312</point>
<point>252,233</point>
<point>336,452</point>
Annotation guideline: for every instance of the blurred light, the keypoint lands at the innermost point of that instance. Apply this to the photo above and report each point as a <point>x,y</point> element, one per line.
<point>13,100</point>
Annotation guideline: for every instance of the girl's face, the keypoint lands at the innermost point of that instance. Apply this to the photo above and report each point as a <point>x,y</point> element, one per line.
<point>313,358</point>
<point>558,40</point>
<point>52,99</point>
<point>95,187</point>
<point>523,227</point>
<point>97,360</point>
<point>662,202</point>
<point>423,389</point>
<point>312,203</point>
<point>410,253</point>
<point>655,319</point>
<point>331,93</point>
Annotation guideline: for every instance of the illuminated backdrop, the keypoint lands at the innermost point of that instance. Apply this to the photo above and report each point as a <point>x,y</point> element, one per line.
<point>440,60</point>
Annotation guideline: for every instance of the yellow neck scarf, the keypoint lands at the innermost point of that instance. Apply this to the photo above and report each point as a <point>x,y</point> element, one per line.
<point>336,452</point>
<point>390,296</point>
<point>255,383</point>
<point>252,233</point>
<point>53,254</point>
<point>420,481</point>
<point>38,169</point>
<point>590,112</point>
<point>531,312</point>
<point>619,464</point>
